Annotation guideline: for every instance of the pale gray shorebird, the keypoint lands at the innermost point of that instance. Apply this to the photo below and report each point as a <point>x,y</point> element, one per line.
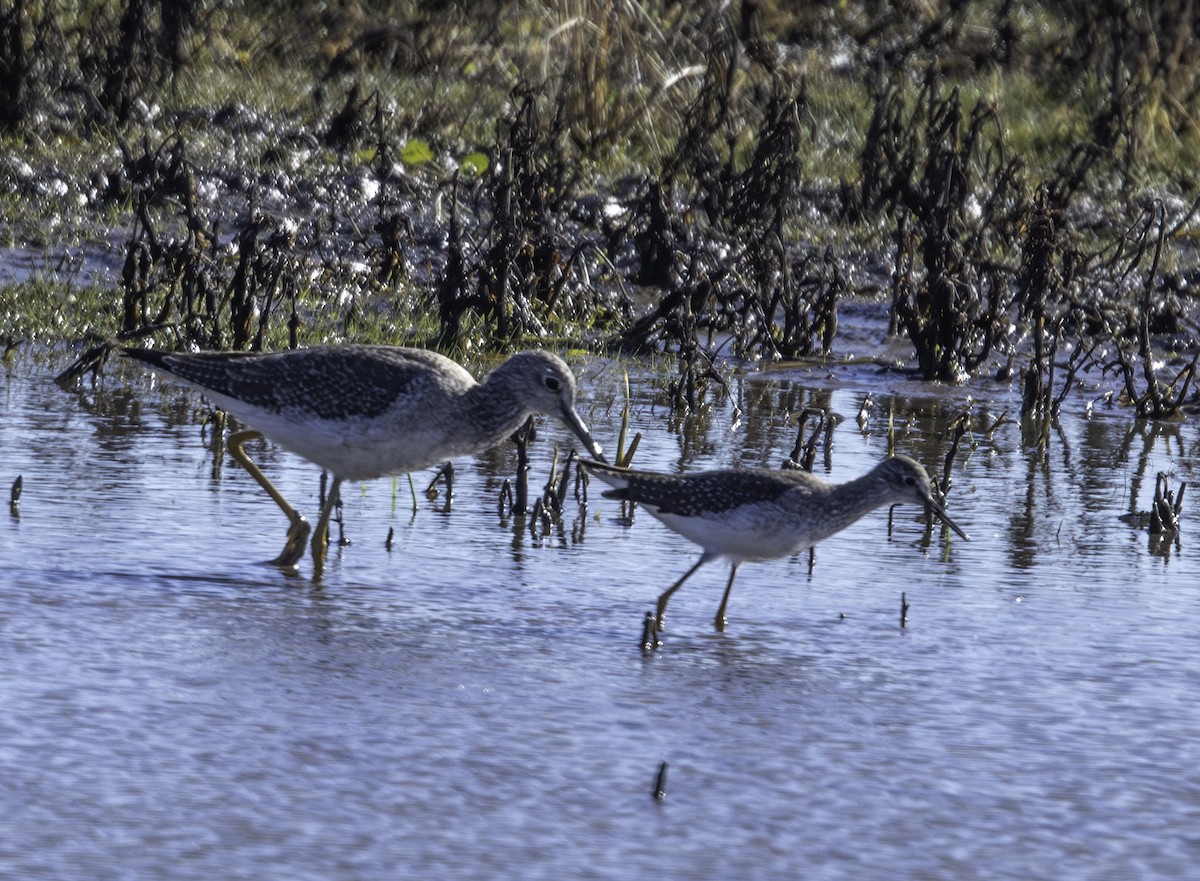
<point>757,514</point>
<point>363,412</point>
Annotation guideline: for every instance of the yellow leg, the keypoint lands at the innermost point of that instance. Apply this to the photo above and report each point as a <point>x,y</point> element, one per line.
<point>298,529</point>
<point>666,595</point>
<point>320,539</point>
<point>721,621</point>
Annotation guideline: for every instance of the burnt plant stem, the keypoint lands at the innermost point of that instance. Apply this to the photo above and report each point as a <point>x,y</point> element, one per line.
<point>520,503</point>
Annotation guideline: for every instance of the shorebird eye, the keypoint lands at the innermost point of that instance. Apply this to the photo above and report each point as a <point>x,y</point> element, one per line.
<point>553,384</point>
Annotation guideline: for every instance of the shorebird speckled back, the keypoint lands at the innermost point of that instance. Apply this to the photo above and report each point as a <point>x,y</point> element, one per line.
<point>363,412</point>
<point>758,514</point>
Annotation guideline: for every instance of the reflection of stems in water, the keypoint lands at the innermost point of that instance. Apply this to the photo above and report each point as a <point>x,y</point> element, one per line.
<point>14,496</point>
<point>1022,528</point>
<point>1038,410</point>
<point>1149,432</point>
<point>1039,405</point>
<point>903,609</point>
<point>830,424</point>
<point>579,528</point>
<point>217,444</point>
<point>805,453</point>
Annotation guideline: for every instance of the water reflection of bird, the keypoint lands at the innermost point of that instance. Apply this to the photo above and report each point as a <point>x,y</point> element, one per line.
<point>363,412</point>
<point>758,514</point>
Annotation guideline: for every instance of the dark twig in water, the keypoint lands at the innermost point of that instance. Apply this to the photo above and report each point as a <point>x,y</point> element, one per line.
<point>445,474</point>
<point>506,498</point>
<point>804,453</point>
<point>903,609</point>
<point>1167,506</point>
<point>959,427</point>
<point>660,783</point>
<point>520,504</point>
<point>564,479</point>
<point>91,360</point>
<point>650,640</point>
<point>94,359</point>
<point>391,538</point>
<point>1002,419</point>
<point>541,520</point>
<point>622,459</point>
<point>218,419</point>
<point>581,484</point>
<point>864,411</point>
<point>550,499</point>
<point>340,519</point>
<point>627,457</point>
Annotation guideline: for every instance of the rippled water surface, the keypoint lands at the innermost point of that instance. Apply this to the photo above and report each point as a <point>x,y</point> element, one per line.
<point>473,703</point>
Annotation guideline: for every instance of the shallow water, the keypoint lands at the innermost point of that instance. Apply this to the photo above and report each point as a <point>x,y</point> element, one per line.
<point>473,703</point>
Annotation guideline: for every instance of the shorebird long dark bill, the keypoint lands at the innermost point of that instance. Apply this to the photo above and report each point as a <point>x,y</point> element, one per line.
<point>944,517</point>
<point>757,514</point>
<point>572,420</point>
<point>362,412</point>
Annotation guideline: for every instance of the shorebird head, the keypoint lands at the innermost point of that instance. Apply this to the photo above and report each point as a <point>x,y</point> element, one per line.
<point>548,388</point>
<point>908,482</point>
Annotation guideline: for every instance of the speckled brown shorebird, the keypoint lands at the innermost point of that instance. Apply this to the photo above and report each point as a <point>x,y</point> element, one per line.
<point>757,514</point>
<point>362,412</point>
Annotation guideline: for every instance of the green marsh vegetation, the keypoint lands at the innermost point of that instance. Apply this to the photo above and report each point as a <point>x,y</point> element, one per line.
<point>1014,184</point>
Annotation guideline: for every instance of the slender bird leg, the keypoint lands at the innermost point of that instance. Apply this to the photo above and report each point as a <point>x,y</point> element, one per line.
<point>320,539</point>
<point>721,621</point>
<point>298,529</point>
<point>666,596</point>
